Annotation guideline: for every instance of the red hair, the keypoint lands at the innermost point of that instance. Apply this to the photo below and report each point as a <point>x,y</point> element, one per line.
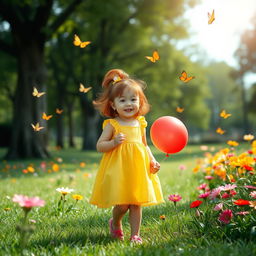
<point>112,89</point>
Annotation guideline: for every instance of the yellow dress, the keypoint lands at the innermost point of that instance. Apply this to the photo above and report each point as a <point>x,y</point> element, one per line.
<point>124,175</point>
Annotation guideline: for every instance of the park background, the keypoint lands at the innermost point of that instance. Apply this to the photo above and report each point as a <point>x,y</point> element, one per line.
<point>37,50</point>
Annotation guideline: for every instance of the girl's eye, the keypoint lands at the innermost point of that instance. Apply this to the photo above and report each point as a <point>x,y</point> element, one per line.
<point>122,100</point>
<point>134,99</point>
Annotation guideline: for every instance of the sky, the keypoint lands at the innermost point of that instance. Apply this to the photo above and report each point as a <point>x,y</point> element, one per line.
<point>220,39</point>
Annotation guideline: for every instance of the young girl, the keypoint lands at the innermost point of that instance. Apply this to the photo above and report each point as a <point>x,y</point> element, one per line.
<point>127,177</point>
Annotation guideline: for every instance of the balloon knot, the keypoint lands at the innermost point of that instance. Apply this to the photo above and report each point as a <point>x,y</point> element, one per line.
<point>167,155</point>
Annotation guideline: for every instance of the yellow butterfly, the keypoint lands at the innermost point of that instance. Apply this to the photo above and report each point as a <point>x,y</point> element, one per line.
<point>184,77</point>
<point>211,17</point>
<point>59,111</point>
<point>83,89</point>
<point>36,93</point>
<point>224,114</point>
<point>220,131</point>
<point>179,110</point>
<point>77,42</point>
<point>154,57</point>
<point>36,127</point>
<point>45,117</point>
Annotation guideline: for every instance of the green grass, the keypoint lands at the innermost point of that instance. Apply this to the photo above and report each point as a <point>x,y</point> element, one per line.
<point>84,231</point>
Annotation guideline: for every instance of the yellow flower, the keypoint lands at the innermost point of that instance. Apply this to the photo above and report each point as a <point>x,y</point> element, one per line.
<point>31,169</point>
<point>82,164</point>
<point>232,143</point>
<point>77,197</point>
<point>55,167</point>
<point>7,209</point>
<point>248,137</point>
<point>196,169</point>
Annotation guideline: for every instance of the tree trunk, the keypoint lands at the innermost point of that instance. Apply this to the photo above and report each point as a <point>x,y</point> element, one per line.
<point>70,107</point>
<point>244,110</point>
<point>90,123</point>
<point>25,142</point>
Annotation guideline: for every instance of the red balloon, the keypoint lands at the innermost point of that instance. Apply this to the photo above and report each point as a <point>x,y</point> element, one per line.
<point>169,134</point>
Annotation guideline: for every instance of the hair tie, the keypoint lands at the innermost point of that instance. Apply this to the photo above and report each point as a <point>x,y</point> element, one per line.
<point>116,79</point>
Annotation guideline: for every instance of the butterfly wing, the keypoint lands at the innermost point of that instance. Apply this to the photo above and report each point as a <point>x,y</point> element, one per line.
<point>156,55</point>
<point>211,17</point>
<point>84,44</point>
<point>81,88</point>
<point>150,58</point>
<point>40,94</point>
<point>188,79</point>
<point>87,89</point>
<point>35,92</point>
<point>77,40</point>
<point>183,76</point>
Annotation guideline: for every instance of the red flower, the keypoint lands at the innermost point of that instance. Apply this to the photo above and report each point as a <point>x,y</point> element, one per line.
<point>225,195</point>
<point>226,216</point>
<point>248,168</point>
<point>241,202</point>
<point>195,204</point>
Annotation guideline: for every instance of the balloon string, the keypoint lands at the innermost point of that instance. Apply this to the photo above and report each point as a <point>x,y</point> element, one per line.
<point>165,157</point>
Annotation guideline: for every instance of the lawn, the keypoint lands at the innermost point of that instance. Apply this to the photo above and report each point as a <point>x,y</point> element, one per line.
<point>84,229</point>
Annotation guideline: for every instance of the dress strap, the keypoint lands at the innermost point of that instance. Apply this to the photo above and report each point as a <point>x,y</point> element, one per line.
<point>143,123</point>
<point>113,122</point>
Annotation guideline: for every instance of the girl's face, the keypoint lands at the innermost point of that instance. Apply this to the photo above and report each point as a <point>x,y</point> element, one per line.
<point>127,105</point>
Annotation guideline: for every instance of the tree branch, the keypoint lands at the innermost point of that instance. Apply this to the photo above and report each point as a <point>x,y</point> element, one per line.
<point>63,16</point>
<point>43,13</point>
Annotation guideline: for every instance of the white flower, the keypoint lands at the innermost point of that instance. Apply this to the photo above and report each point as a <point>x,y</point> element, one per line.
<point>253,194</point>
<point>64,191</point>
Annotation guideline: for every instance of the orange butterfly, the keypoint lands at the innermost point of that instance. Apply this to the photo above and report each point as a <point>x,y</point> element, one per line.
<point>36,93</point>
<point>45,117</point>
<point>83,89</point>
<point>154,57</point>
<point>77,42</point>
<point>179,110</point>
<point>36,127</point>
<point>184,77</point>
<point>224,114</point>
<point>59,111</point>
<point>211,17</point>
<point>220,131</point>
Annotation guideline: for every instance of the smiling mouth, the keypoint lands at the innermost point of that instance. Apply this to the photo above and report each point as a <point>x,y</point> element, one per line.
<point>128,110</point>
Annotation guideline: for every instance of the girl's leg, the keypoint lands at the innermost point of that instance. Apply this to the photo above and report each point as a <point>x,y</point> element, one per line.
<point>135,215</point>
<point>118,213</point>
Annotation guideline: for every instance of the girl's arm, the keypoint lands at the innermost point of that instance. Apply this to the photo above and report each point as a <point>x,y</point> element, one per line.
<point>154,165</point>
<point>105,143</point>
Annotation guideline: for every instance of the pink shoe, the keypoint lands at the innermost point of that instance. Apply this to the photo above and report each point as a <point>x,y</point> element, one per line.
<point>136,239</point>
<point>118,233</point>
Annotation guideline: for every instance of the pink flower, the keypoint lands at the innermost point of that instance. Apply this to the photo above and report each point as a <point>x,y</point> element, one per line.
<point>253,194</point>
<point>208,177</point>
<point>226,216</point>
<point>28,202</point>
<point>249,186</point>
<point>218,207</point>
<point>174,198</point>
<point>202,186</point>
<point>204,195</point>
<point>182,167</point>
<point>242,213</point>
<point>214,193</point>
<point>228,187</point>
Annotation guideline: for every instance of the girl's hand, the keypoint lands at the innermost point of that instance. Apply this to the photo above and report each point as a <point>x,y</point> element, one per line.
<point>119,138</point>
<point>154,166</point>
